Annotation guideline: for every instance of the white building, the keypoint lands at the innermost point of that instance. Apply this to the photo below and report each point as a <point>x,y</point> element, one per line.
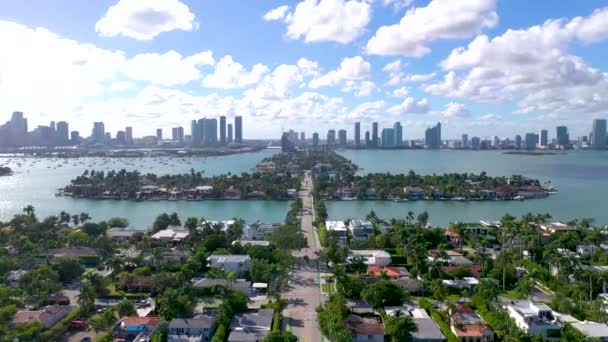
<point>371,257</point>
<point>339,230</point>
<point>171,235</point>
<point>230,263</point>
<point>535,319</point>
<point>361,230</point>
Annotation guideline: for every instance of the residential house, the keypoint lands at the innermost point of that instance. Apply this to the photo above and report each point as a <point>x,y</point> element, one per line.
<point>48,316</point>
<point>344,193</point>
<point>247,327</point>
<point>259,231</point>
<point>251,243</point>
<point>171,234</point>
<point>13,277</point>
<point>466,283</point>
<point>238,264</point>
<point>339,230</point>
<point>240,285</point>
<point>452,238</point>
<point>198,329</point>
<point>71,252</point>
<point>453,258</point>
<point>365,329</point>
<point>121,234</point>
<point>392,272</point>
<point>592,330</point>
<point>414,192</point>
<point>556,227</point>
<point>427,329</point>
<point>232,193</point>
<point>371,257</point>
<point>137,329</point>
<point>535,319</point>
<point>468,326</point>
<point>361,230</point>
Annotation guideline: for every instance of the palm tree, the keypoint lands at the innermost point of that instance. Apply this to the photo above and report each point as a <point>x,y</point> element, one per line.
<point>64,217</point>
<point>86,298</point>
<point>29,210</point>
<point>84,217</point>
<point>76,219</point>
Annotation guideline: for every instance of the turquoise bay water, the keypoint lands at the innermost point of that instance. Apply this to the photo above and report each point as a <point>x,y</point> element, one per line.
<point>580,176</point>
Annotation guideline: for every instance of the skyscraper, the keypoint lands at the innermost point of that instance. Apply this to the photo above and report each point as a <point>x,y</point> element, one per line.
<point>129,135</point>
<point>315,139</point>
<point>562,137</point>
<point>210,132</point>
<point>99,133</point>
<point>598,134</point>
<point>543,139</point>
<point>398,130</point>
<point>302,137</point>
<point>475,143</point>
<point>174,134</point>
<point>230,133</point>
<point>375,134</point>
<point>331,137</point>
<point>195,133</point>
<point>432,137</point>
<point>357,133</point>
<point>121,138</point>
<point>18,129</point>
<point>342,137</point>
<point>465,141</point>
<point>531,141</point>
<point>223,130</point>
<point>518,142</point>
<point>159,135</point>
<point>63,132</point>
<point>238,129</point>
<point>388,138</point>
<point>74,137</point>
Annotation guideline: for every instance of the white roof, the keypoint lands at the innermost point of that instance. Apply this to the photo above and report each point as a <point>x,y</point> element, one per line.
<point>251,242</point>
<point>592,329</point>
<point>170,233</point>
<point>370,253</point>
<point>260,285</point>
<point>229,258</point>
<point>335,226</point>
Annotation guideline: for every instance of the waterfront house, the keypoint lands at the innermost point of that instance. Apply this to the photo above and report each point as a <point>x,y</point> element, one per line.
<point>256,195</point>
<point>199,329</point>
<point>592,330</point>
<point>365,329</point>
<point>556,227</point>
<point>490,224</point>
<point>259,231</point>
<point>171,234</point>
<point>344,193</point>
<point>535,319</point>
<point>370,193</point>
<point>452,238</point>
<point>371,257</point>
<point>232,194</point>
<point>238,264</point>
<point>488,194</point>
<point>292,193</point>
<point>47,316</point>
<point>414,192</point>
<point>338,230</point>
<point>468,326</point>
<point>121,234</point>
<point>503,192</point>
<point>251,326</point>
<point>361,230</point>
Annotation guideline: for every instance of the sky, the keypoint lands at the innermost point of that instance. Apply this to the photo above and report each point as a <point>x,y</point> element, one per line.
<point>482,67</point>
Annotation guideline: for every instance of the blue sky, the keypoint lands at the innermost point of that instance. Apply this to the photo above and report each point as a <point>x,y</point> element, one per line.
<point>483,67</point>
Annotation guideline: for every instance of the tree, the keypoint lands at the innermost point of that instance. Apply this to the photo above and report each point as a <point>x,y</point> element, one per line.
<point>40,282</point>
<point>331,316</point>
<point>399,327</point>
<point>93,229</point>
<point>423,219</point>
<point>161,222</point>
<point>29,210</point>
<point>84,217</point>
<point>103,321</point>
<point>438,289</point>
<point>125,308</point>
<point>76,219</point>
<point>86,298</point>
<point>175,303</point>
<point>120,222</point>
<point>384,293</point>
<point>280,336</point>
<point>64,217</point>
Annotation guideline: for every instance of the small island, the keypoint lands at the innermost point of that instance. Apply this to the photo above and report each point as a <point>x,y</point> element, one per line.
<point>5,171</point>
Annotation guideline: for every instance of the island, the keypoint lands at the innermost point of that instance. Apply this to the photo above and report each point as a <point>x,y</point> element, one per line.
<point>5,171</point>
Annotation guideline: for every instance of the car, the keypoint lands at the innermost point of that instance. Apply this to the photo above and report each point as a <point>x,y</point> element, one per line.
<point>86,339</point>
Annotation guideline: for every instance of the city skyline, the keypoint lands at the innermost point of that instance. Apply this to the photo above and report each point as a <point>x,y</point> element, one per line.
<point>290,69</point>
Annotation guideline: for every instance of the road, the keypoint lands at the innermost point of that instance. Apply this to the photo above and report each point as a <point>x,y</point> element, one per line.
<point>304,294</point>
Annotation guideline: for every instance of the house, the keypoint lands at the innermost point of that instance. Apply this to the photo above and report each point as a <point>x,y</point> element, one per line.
<point>535,319</point>
<point>361,230</point>
<point>48,316</point>
<point>221,225</point>
<point>411,285</point>
<point>468,326</point>
<point>121,234</point>
<point>586,250</point>
<point>259,231</point>
<point>171,235</point>
<point>365,329</point>
<point>13,277</point>
<point>453,258</point>
<point>556,227</point>
<point>134,328</point>
<point>240,285</point>
<point>490,224</point>
<point>251,243</point>
<point>592,330</point>
<point>232,193</point>
<point>371,257</point>
<point>247,327</point>
<point>452,238</point>
<point>238,264</point>
<point>392,272</point>
<point>414,192</point>
<point>292,193</point>
<point>427,329</point>
<point>71,252</point>
<point>198,329</point>
<point>466,283</point>
<point>339,230</point>
<point>344,193</point>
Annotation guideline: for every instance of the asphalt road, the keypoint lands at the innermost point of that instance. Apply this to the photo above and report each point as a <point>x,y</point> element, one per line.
<point>304,294</point>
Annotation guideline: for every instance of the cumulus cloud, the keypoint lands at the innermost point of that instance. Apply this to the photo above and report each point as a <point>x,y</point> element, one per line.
<point>419,77</point>
<point>363,88</point>
<point>400,92</point>
<point>440,19</point>
<point>229,74</point>
<point>533,66</point>
<point>410,106</point>
<point>350,69</point>
<point>366,110</point>
<point>324,20</point>
<point>167,69</point>
<point>397,4</point>
<point>455,110</point>
<point>144,20</point>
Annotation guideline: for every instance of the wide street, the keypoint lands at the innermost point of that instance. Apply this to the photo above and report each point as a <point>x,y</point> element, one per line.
<point>304,294</point>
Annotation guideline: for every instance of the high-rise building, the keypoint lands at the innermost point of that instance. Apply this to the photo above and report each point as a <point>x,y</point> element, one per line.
<point>465,141</point>
<point>598,134</point>
<point>331,137</point>
<point>302,137</point>
<point>159,135</point>
<point>18,130</point>
<point>342,137</point>
<point>195,133</point>
<point>238,129</point>
<point>398,130</point>
<point>475,143</point>
<point>543,139</point>
<point>121,138</point>
<point>287,144</point>
<point>210,132</point>
<point>562,137</point>
<point>129,135</point>
<point>518,142</point>
<point>63,132</point>
<point>388,138</point>
<point>201,129</point>
<point>108,137</point>
<point>99,133</point>
<point>531,141</point>
<point>432,137</point>
<point>375,134</point>
<point>230,134</point>
<point>315,139</point>
<point>74,137</point>
<point>174,134</point>
<point>223,130</point>
<point>357,133</point>
<point>367,139</point>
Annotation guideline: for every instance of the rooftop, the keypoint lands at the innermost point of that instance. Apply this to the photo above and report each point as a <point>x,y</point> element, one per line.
<point>364,326</point>
<point>202,322</point>
<point>261,320</point>
<point>222,258</point>
<point>591,329</point>
<point>252,243</point>
<point>335,226</point>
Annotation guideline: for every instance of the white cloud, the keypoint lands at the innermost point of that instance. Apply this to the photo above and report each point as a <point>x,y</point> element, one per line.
<point>440,19</point>
<point>397,4</point>
<point>363,88</point>
<point>167,69</point>
<point>308,67</point>
<point>419,77</point>
<point>351,68</point>
<point>121,86</point>
<point>455,110</point>
<point>400,92</point>
<point>410,106</point>
<point>230,74</point>
<point>393,67</point>
<point>276,13</point>
<point>366,110</point>
<point>325,20</point>
<point>144,20</point>
<point>533,66</point>
<point>276,86</point>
